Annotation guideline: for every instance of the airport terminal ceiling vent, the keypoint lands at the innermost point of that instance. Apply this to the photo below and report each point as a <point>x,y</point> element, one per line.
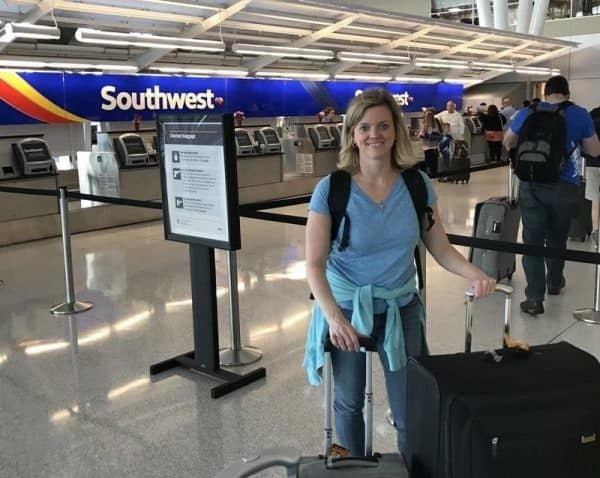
<point>268,39</point>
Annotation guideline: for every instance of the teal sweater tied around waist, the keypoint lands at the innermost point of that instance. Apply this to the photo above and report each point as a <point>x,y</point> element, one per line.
<point>362,321</point>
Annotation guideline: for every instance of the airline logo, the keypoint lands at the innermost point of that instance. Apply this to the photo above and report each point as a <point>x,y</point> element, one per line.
<point>23,97</point>
<point>154,99</point>
<point>403,99</point>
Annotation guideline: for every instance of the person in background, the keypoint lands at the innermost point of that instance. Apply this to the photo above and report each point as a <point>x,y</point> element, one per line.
<point>329,115</point>
<point>454,119</point>
<point>547,208</point>
<point>507,110</point>
<point>493,127</point>
<point>482,109</point>
<point>370,287</point>
<point>431,135</point>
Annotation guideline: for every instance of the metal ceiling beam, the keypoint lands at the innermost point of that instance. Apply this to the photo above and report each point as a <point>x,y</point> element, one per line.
<point>259,63</point>
<point>33,15</point>
<point>403,70</point>
<point>405,40</point>
<point>150,56</point>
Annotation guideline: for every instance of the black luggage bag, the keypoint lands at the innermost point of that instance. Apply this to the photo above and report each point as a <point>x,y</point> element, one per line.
<point>581,223</point>
<point>386,465</point>
<point>460,162</point>
<point>504,414</point>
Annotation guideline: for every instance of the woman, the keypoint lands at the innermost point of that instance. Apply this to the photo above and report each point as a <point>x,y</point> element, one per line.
<point>493,125</point>
<point>430,134</point>
<point>376,269</point>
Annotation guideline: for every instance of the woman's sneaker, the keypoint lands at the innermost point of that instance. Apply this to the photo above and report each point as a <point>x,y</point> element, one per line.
<point>532,306</point>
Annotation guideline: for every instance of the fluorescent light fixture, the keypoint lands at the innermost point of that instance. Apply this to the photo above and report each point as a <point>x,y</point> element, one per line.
<point>70,65</point>
<point>418,79</point>
<point>454,10</point>
<point>441,63</point>
<point>371,57</point>
<point>363,77</point>
<point>317,75</point>
<point>282,51</point>
<point>537,70</point>
<point>203,70</point>
<point>146,40</point>
<point>462,81</point>
<point>481,65</point>
<point>14,30</point>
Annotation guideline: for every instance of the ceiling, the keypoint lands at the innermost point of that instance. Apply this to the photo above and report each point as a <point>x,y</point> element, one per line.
<point>302,24</point>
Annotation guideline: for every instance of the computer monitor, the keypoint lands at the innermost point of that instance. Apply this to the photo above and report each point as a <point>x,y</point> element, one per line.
<point>243,143</point>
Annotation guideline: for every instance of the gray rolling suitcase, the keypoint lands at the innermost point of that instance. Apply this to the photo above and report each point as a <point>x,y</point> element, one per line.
<point>496,218</point>
<point>385,465</point>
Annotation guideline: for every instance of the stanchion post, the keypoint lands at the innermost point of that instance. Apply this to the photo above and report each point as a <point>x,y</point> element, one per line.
<point>71,306</point>
<point>592,316</point>
<point>236,355</point>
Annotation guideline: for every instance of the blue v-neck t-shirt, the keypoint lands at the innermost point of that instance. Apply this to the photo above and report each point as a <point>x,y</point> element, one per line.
<point>382,237</point>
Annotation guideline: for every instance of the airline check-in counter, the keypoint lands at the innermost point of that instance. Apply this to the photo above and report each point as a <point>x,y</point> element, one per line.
<point>478,148</point>
<point>314,149</point>
<point>259,157</point>
<point>26,162</point>
<point>136,159</point>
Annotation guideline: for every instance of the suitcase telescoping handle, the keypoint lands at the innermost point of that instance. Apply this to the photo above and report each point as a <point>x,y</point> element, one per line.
<point>470,299</point>
<point>368,346</point>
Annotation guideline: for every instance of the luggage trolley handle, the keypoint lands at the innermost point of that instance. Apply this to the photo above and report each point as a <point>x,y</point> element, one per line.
<point>470,299</point>
<point>368,346</point>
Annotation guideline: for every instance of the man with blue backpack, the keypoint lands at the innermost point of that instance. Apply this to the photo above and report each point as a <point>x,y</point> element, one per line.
<point>548,139</point>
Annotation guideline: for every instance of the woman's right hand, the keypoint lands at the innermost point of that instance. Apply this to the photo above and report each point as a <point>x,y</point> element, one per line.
<point>342,334</point>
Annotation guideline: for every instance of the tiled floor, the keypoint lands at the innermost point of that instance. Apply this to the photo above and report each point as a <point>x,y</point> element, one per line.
<point>91,410</point>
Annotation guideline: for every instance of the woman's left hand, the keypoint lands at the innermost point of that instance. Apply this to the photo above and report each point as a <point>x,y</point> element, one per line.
<point>483,286</point>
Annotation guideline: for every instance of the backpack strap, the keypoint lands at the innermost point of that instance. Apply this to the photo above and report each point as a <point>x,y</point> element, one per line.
<point>337,200</point>
<point>418,193</point>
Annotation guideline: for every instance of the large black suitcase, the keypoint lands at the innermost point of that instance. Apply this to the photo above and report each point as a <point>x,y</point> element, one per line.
<point>388,465</point>
<point>460,162</point>
<point>534,415</point>
<point>581,223</point>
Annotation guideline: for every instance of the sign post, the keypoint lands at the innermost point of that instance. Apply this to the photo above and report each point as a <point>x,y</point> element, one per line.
<point>200,207</point>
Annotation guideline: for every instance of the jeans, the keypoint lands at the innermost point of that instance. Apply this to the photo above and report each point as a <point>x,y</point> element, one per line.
<point>546,211</point>
<point>349,379</point>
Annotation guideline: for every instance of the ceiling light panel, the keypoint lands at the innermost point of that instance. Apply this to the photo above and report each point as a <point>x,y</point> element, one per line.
<point>317,75</point>
<point>372,58</point>
<point>201,70</point>
<point>146,40</point>
<point>363,77</point>
<point>282,51</point>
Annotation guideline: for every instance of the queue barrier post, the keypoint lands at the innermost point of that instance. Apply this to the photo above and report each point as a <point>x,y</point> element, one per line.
<point>236,355</point>
<point>592,315</point>
<point>71,306</point>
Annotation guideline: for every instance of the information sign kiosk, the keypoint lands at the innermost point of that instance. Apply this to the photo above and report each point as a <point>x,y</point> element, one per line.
<point>200,207</point>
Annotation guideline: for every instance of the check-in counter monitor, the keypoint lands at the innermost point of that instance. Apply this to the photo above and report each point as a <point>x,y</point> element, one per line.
<point>268,140</point>
<point>336,133</point>
<point>131,150</point>
<point>319,135</point>
<point>243,143</point>
<point>478,148</point>
<point>32,157</point>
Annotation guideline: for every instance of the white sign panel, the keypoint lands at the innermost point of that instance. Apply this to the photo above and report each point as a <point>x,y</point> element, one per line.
<point>195,180</point>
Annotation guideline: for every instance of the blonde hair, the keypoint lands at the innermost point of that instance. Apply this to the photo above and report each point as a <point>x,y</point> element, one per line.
<point>402,152</point>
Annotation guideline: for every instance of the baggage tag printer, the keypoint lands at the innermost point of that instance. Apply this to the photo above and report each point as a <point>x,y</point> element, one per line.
<point>268,140</point>
<point>131,150</point>
<point>243,143</point>
<point>32,157</point>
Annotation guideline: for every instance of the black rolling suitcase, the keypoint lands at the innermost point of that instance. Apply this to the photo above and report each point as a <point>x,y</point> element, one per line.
<point>504,414</point>
<point>387,465</point>
<point>460,162</point>
<point>497,218</point>
<point>581,223</point>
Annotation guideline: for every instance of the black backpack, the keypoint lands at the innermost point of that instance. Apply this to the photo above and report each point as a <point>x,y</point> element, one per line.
<point>595,114</point>
<point>339,194</point>
<point>540,152</point>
